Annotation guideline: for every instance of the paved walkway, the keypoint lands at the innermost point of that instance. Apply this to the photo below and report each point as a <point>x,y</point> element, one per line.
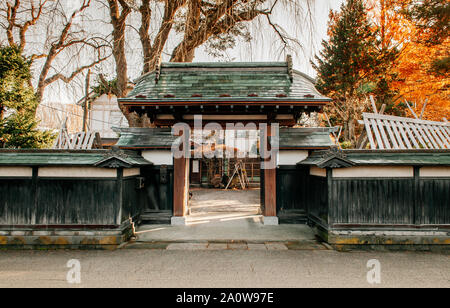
<point>209,205</point>
<point>231,245</point>
<point>225,216</point>
<point>249,230</point>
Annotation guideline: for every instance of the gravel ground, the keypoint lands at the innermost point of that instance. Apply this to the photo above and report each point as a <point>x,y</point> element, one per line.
<point>223,268</point>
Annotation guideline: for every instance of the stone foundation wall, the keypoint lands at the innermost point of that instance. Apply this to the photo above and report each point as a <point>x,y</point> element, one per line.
<point>67,238</point>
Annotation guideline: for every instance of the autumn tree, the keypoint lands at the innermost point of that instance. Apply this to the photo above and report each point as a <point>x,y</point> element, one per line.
<point>18,127</point>
<point>432,19</point>
<point>346,64</point>
<point>423,74</point>
<point>393,34</point>
<point>63,50</point>
<point>417,29</point>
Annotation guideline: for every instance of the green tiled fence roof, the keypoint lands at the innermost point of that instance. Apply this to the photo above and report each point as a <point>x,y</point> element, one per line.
<point>67,158</point>
<point>383,157</point>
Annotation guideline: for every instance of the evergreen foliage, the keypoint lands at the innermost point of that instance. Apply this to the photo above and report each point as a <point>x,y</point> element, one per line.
<point>18,103</point>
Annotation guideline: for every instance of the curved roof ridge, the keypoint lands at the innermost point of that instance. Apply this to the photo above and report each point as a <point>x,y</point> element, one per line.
<point>313,80</point>
<point>225,81</point>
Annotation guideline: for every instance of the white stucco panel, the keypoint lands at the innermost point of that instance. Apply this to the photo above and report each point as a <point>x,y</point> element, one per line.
<point>316,171</point>
<point>159,157</point>
<point>16,171</point>
<point>435,172</point>
<point>374,172</point>
<point>291,158</point>
<point>77,172</point>
<point>131,172</point>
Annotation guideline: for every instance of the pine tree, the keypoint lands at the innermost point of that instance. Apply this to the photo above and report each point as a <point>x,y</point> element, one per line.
<point>432,17</point>
<point>18,127</point>
<point>347,64</point>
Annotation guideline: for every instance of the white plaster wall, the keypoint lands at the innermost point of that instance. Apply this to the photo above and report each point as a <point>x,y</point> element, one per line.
<point>435,172</point>
<point>374,172</point>
<point>159,157</point>
<point>316,171</point>
<point>105,114</point>
<point>291,158</point>
<point>16,172</point>
<point>77,172</point>
<point>131,172</point>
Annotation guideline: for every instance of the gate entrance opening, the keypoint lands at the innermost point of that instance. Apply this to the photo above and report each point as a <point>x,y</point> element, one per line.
<point>224,184</point>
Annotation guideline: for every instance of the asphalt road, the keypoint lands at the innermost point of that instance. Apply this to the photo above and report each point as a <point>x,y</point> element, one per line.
<point>222,268</point>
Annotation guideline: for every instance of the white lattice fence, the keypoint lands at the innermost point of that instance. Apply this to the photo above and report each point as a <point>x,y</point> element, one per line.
<point>390,132</point>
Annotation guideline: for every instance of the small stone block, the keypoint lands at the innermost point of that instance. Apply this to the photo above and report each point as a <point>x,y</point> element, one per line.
<point>215,246</point>
<point>276,246</point>
<point>271,221</point>
<point>238,246</point>
<point>18,233</point>
<point>257,247</point>
<point>149,246</point>
<point>187,246</point>
<point>178,221</point>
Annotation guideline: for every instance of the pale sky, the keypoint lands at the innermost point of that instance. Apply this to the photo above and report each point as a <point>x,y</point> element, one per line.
<point>262,50</point>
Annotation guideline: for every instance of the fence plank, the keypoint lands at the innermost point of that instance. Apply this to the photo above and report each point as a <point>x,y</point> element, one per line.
<point>377,134</point>
<point>369,134</point>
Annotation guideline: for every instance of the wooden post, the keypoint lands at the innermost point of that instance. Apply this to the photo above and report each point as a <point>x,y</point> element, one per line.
<point>119,185</point>
<point>270,183</point>
<point>270,188</point>
<point>179,186</point>
<point>86,103</point>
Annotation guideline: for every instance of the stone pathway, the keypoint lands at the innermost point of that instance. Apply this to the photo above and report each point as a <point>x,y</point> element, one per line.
<point>218,205</point>
<point>225,220</point>
<point>252,246</point>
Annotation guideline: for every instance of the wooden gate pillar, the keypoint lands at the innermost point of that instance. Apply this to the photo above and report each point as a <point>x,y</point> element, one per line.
<point>180,187</point>
<point>270,187</point>
<point>180,190</point>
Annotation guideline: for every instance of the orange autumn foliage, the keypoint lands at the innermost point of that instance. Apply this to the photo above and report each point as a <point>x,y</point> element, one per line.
<point>415,82</point>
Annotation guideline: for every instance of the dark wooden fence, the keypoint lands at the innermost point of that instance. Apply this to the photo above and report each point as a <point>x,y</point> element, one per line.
<point>335,202</point>
<point>68,201</point>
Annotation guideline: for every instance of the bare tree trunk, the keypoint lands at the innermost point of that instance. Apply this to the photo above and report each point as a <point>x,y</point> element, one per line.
<point>20,16</point>
<point>118,20</point>
<point>119,14</point>
<point>351,131</point>
<point>152,52</point>
<point>185,51</point>
<point>221,19</point>
<point>146,16</point>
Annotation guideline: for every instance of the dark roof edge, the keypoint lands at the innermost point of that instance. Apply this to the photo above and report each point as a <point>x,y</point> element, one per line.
<point>213,65</point>
<point>243,100</point>
<point>407,151</point>
<point>54,151</point>
<point>383,157</point>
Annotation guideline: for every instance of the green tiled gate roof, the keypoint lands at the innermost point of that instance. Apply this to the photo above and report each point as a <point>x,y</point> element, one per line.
<point>256,81</point>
